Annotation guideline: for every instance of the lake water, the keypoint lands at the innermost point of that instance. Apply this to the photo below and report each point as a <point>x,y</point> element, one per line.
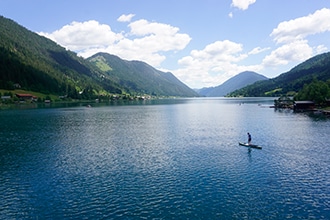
<point>165,159</point>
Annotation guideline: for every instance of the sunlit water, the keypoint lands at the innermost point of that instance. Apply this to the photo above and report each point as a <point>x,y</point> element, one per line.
<point>177,159</point>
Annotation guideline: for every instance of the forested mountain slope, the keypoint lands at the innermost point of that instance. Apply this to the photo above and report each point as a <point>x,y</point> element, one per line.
<point>39,64</point>
<point>140,77</point>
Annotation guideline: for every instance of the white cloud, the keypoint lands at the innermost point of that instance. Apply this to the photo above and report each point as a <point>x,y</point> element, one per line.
<point>143,27</point>
<point>293,37</point>
<point>231,15</point>
<point>258,50</point>
<point>158,36</point>
<point>79,36</point>
<point>242,4</point>
<point>213,65</point>
<point>295,51</point>
<point>321,49</point>
<point>145,40</point>
<point>219,51</point>
<point>125,18</point>
<point>302,27</point>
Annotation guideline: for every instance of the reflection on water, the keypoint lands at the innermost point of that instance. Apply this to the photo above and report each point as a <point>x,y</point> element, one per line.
<point>157,159</point>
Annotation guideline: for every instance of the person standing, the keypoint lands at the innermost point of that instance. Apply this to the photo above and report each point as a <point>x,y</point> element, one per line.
<point>249,138</point>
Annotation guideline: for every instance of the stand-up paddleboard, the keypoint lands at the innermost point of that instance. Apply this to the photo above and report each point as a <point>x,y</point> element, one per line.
<point>250,145</point>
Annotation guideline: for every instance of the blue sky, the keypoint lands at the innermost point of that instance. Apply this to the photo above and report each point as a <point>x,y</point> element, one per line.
<point>202,42</point>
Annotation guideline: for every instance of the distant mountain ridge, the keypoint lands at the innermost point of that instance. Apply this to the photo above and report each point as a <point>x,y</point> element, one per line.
<point>38,64</point>
<point>239,81</point>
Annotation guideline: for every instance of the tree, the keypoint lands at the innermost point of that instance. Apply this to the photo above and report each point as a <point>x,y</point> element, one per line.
<point>317,91</point>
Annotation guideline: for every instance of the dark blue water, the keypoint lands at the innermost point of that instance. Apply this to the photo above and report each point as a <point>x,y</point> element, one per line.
<point>176,159</point>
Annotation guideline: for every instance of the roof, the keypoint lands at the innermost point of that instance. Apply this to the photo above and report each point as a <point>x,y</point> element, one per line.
<point>304,102</point>
<point>24,95</point>
<point>27,96</point>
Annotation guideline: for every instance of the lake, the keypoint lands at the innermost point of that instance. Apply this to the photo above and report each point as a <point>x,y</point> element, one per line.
<point>164,159</point>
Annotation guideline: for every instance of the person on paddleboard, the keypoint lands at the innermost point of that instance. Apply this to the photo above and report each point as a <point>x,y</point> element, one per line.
<point>249,138</point>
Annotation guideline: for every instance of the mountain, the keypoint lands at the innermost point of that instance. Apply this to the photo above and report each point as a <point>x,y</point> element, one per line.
<point>239,81</point>
<point>315,68</point>
<point>139,77</point>
<point>38,64</point>
<point>204,91</point>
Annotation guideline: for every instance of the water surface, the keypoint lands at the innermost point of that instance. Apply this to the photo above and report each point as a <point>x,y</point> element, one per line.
<point>165,159</point>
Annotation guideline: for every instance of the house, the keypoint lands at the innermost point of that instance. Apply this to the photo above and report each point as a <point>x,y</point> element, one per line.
<point>303,105</point>
<point>26,97</point>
